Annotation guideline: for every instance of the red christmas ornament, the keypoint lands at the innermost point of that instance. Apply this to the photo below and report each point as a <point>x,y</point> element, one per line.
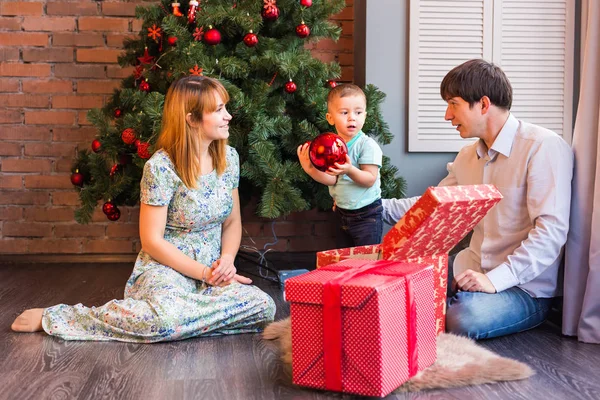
<point>212,37</point>
<point>332,83</point>
<point>118,113</point>
<point>77,178</point>
<point>326,150</point>
<point>176,10</point>
<point>198,34</point>
<point>302,30</point>
<point>192,11</point>
<point>146,58</point>
<point>270,12</point>
<point>290,87</point>
<point>96,146</point>
<point>138,72</point>
<point>250,39</point>
<point>144,86</point>
<point>306,3</point>
<point>108,208</point>
<point>115,215</point>
<point>142,150</point>
<point>155,32</point>
<point>172,40</point>
<point>128,136</point>
<point>114,169</point>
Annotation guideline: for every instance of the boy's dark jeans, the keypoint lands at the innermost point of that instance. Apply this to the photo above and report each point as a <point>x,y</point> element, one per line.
<point>363,226</point>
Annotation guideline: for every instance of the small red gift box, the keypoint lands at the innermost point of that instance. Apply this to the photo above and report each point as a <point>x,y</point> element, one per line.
<point>362,326</point>
<point>427,232</point>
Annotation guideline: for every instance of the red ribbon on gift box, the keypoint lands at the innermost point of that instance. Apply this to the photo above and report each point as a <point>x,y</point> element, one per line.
<point>332,320</point>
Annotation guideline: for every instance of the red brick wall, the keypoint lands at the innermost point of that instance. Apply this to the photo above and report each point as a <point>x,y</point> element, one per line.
<point>58,60</point>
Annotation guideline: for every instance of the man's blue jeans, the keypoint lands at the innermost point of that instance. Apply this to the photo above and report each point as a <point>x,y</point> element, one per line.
<point>483,315</point>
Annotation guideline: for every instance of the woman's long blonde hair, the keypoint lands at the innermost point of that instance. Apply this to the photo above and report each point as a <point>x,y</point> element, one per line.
<point>193,95</point>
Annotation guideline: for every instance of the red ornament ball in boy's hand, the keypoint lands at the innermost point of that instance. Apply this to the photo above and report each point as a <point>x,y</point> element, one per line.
<point>326,150</point>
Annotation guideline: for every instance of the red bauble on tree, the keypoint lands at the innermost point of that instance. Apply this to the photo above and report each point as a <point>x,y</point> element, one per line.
<point>128,136</point>
<point>332,83</point>
<point>306,3</point>
<point>144,86</point>
<point>270,12</point>
<point>108,208</point>
<point>96,146</point>
<point>115,215</point>
<point>77,178</point>
<point>172,40</point>
<point>327,149</point>
<point>302,30</point>
<point>142,150</point>
<point>250,39</point>
<point>118,113</point>
<point>212,37</point>
<point>290,87</point>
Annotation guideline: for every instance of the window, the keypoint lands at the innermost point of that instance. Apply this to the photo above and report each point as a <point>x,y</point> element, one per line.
<point>532,40</point>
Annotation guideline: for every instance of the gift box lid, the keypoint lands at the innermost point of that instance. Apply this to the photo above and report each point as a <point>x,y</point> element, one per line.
<point>308,288</point>
<point>438,221</point>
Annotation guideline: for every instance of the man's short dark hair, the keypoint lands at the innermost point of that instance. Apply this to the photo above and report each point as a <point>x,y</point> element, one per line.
<point>477,78</point>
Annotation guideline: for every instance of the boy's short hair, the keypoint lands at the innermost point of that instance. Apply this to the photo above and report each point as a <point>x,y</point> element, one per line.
<point>345,90</point>
<point>477,78</point>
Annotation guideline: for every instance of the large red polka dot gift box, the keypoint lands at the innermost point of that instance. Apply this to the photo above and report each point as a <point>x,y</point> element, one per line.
<point>427,232</point>
<point>362,326</point>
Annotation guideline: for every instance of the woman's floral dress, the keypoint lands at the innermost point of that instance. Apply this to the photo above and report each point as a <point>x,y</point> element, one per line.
<point>161,304</point>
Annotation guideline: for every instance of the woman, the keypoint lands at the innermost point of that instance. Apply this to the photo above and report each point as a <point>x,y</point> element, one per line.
<point>184,283</point>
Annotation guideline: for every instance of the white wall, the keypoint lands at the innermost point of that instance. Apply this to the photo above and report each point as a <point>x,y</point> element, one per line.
<point>386,67</point>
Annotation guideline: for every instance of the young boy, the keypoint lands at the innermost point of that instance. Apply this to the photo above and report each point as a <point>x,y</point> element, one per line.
<point>355,185</point>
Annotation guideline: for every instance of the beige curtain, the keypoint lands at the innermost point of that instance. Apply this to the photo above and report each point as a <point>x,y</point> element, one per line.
<point>581,307</point>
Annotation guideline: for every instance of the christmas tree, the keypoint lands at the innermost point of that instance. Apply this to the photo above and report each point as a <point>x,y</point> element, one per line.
<point>256,48</point>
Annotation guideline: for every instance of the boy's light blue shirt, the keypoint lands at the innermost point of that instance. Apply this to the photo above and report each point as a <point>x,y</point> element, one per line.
<point>347,194</point>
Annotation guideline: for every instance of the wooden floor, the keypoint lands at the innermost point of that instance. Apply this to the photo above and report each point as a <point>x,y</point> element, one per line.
<point>37,366</point>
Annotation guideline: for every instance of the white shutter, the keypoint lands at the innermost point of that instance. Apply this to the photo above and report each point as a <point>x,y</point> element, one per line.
<point>534,45</point>
<point>443,34</point>
<point>531,40</point>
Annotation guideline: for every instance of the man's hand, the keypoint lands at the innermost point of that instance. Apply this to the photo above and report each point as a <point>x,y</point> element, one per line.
<point>223,270</point>
<point>473,281</point>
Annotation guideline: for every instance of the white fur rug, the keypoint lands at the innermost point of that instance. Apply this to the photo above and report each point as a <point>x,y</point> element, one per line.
<point>460,362</point>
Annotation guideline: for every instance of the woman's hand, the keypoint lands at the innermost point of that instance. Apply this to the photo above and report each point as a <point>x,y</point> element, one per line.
<point>236,278</point>
<point>222,271</point>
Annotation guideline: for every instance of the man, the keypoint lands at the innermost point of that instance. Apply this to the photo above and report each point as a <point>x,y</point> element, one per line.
<point>505,280</point>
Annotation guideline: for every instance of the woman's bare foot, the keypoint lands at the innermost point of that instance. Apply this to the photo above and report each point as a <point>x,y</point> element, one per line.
<point>29,321</point>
